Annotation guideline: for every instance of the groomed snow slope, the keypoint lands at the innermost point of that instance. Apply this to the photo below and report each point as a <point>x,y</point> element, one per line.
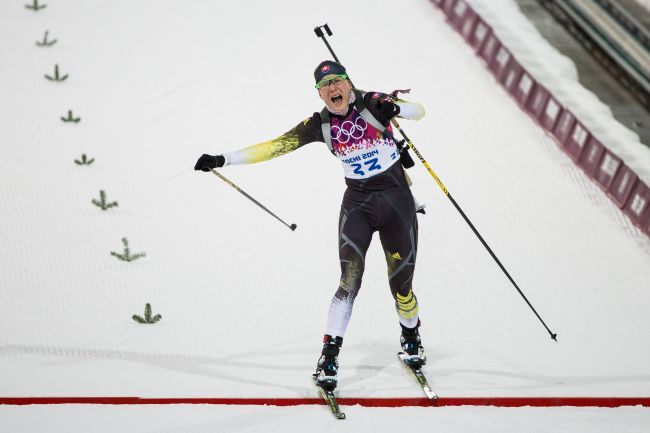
<point>244,299</point>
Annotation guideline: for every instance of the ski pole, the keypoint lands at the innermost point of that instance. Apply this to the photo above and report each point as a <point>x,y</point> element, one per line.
<point>222,177</point>
<point>319,33</point>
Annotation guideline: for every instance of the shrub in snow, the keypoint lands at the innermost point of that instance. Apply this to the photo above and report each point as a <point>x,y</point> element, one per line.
<point>147,316</point>
<point>126,256</point>
<point>56,76</point>
<point>35,6</point>
<point>70,118</point>
<point>85,161</point>
<point>101,203</point>
<point>45,42</point>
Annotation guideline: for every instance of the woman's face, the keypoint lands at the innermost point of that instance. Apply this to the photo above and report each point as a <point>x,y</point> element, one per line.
<point>335,93</point>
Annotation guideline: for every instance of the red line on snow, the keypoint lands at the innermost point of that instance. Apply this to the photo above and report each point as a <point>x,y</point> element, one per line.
<point>349,401</point>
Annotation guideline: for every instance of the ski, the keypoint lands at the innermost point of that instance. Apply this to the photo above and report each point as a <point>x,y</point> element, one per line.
<point>330,400</point>
<point>419,377</point>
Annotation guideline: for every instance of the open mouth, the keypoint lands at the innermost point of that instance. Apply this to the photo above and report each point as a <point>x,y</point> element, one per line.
<point>337,99</point>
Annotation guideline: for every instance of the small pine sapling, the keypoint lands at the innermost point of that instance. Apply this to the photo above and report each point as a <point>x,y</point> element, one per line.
<point>70,118</point>
<point>56,76</point>
<point>45,42</point>
<point>35,6</point>
<point>126,255</point>
<point>101,203</point>
<point>147,319</point>
<point>85,161</point>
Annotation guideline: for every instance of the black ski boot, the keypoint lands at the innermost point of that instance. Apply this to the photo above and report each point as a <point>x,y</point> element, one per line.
<point>412,347</point>
<point>328,364</point>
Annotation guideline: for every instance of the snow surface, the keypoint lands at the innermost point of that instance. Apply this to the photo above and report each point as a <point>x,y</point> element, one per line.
<point>245,419</point>
<point>244,299</point>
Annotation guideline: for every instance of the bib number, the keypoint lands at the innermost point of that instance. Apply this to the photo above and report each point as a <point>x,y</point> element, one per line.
<point>372,164</point>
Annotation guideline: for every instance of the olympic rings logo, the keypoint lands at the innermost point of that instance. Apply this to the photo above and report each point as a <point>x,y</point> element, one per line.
<point>349,129</point>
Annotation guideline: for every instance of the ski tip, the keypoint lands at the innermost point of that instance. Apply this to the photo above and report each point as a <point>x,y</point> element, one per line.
<point>554,337</point>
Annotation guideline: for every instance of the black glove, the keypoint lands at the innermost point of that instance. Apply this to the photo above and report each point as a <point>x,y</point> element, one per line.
<point>208,162</point>
<point>388,110</point>
<point>405,158</point>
